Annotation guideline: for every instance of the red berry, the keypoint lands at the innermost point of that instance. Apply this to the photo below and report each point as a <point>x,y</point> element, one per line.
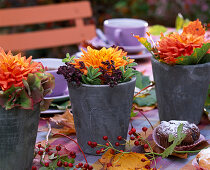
<point>33,168</point>
<point>144,129</point>
<point>80,164</point>
<point>119,138</point>
<point>143,160</point>
<point>136,143</point>
<point>59,163</point>
<point>47,149</point>
<point>109,164</point>
<point>121,151</point>
<point>147,166</point>
<point>40,152</point>
<point>102,150</point>
<point>117,144</point>
<point>58,148</point>
<point>65,164</point>
<point>46,164</point>
<point>90,167</point>
<point>86,165</point>
<point>154,168</point>
<point>132,138</point>
<point>94,144</point>
<point>70,165</point>
<point>73,156</point>
<point>146,146</point>
<point>112,151</point>
<point>49,153</point>
<point>133,130</point>
<point>39,145</point>
<point>98,152</point>
<point>89,143</point>
<point>72,153</point>
<point>130,132</point>
<point>105,137</point>
<point>107,144</point>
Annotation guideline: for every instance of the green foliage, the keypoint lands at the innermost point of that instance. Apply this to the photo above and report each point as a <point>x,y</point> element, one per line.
<point>141,80</point>
<point>157,29</point>
<point>127,74</point>
<point>205,59</point>
<point>196,57</point>
<point>61,105</point>
<point>33,92</point>
<point>176,141</point>
<point>92,76</point>
<point>148,99</point>
<point>181,22</point>
<point>68,58</point>
<point>133,114</point>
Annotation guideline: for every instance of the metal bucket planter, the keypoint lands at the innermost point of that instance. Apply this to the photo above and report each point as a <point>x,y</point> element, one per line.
<point>181,90</point>
<point>100,110</point>
<point>18,130</point>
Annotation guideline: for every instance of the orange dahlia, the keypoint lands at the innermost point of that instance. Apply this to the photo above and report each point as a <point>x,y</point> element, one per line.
<point>13,69</point>
<point>175,45</point>
<point>95,58</point>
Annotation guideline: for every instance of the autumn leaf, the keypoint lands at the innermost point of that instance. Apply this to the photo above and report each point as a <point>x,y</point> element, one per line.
<point>66,122</point>
<point>125,161</point>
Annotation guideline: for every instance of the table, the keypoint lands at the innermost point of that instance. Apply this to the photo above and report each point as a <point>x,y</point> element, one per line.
<point>138,122</point>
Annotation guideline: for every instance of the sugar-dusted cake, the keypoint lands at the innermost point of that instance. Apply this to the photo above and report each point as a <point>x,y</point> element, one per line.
<point>203,158</point>
<point>165,128</point>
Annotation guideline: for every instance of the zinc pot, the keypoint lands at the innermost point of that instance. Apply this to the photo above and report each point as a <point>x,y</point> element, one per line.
<point>100,110</point>
<point>181,90</point>
<point>18,129</point>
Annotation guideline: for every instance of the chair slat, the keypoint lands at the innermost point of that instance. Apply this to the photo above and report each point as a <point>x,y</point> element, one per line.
<point>45,13</point>
<point>47,38</point>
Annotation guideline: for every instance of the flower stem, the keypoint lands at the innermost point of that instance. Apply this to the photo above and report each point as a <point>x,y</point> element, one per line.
<point>74,142</point>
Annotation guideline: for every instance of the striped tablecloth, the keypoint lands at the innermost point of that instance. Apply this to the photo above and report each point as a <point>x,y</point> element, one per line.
<point>171,163</point>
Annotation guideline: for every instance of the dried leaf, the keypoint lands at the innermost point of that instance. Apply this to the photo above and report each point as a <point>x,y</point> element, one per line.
<point>144,108</point>
<point>66,121</point>
<point>125,161</point>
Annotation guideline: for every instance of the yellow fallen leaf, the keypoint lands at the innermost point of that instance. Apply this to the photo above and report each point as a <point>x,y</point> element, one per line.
<point>123,161</point>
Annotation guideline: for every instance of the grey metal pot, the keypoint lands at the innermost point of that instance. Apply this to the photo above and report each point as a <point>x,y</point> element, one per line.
<point>18,130</point>
<point>100,110</point>
<point>181,90</point>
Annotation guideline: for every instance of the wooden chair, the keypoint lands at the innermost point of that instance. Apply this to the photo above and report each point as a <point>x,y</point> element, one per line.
<point>43,14</point>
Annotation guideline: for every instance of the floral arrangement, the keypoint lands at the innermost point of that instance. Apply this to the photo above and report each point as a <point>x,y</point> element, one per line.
<point>98,67</point>
<point>187,48</point>
<point>23,82</point>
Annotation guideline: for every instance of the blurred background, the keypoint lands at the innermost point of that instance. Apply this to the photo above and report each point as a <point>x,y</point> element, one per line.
<point>162,12</point>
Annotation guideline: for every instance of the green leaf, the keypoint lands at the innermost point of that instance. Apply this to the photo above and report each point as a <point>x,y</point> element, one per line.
<point>207,102</point>
<point>195,57</point>
<point>44,168</point>
<point>179,21</point>
<point>205,59</point>
<point>147,100</point>
<point>67,159</point>
<point>145,42</point>
<point>62,105</point>
<point>132,64</point>
<point>24,100</point>
<point>157,29</point>
<point>68,59</point>
<point>141,80</point>
<point>171,138</point>
<point>186,22</point>
<point>177,141</point>
<point>133,114</point>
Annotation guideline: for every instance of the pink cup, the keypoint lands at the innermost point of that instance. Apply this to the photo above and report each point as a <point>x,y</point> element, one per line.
<point>119,30</point>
